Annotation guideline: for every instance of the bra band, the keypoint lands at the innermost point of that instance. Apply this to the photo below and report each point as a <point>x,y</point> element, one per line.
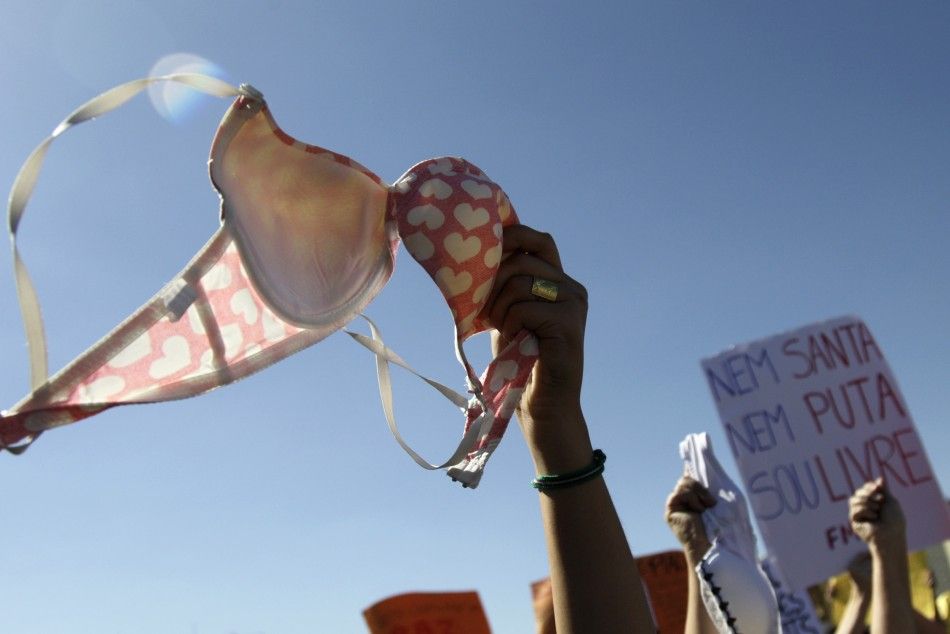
<point>26,180</point>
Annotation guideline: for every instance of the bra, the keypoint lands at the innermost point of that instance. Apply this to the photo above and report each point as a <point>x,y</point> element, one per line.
<point>736,592</point>
<point>308,237</point>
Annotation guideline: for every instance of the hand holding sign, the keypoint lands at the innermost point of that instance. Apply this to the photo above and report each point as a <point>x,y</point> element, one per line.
<point>876,516</point>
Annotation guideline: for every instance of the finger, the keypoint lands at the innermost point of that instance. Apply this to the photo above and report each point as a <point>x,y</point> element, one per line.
<point>864,518</point>
<point>687,498</point>
<point>674,503</point>
<point>862,495</point>
<point>518,289</point>
<point>555,321</point>
<point>509,318</point>
<point>670,507</point>
<point>870,487</point>
<point>496,343</point>
<point>860,503</point>
<point>682,507</point>
<point>696,488</point>
<point>694,503</point>
<point>703,494</point>
<point>685,482</point>
<point>865,514</point>
<point>515,307</point>
<point>524,239</point>
<point>527,266</point>
<point>684,501</point>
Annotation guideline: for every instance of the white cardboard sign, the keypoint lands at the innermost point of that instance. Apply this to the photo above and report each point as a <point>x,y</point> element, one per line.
<point>810,415</point>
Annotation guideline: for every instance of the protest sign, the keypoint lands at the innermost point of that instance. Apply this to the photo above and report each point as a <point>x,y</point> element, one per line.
<point>666,577</point>
<point>810,415</point>
<point>428,613</point>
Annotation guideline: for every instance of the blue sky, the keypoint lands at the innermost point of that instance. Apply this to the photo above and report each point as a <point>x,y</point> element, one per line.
<point>713,173</point>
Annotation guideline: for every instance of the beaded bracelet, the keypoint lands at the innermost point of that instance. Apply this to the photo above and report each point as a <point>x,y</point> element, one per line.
<point>564,480</point>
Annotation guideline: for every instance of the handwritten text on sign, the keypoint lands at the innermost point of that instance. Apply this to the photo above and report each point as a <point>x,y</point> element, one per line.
<point>810,416</point>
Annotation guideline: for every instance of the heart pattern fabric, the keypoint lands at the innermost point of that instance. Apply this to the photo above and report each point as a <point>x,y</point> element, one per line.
<point>450,216</point>
<point>227,331</point>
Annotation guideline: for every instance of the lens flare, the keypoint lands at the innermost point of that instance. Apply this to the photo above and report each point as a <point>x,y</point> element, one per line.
<point>174,101</point>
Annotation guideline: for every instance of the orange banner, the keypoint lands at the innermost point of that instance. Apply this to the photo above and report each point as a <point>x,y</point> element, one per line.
<point>666,577</point>
<point>428,613</point>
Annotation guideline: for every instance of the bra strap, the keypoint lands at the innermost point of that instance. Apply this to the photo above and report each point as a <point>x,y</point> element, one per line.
<point>385,356</point>
<point>26,180</point>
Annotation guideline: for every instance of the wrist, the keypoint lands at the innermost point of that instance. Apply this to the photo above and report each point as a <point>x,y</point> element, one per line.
<point>562,458</point>
<point>695,552</point>
<point>559,444</point>
<point>554,481</point>
<point>888,545</point>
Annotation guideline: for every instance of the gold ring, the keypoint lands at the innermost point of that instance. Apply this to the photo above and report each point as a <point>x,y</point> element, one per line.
<point>545,289</point>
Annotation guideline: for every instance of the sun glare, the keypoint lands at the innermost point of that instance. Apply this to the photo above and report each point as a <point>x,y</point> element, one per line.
<point>174,101</point>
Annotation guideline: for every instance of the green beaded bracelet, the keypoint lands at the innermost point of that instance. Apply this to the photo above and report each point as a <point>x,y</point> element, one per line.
<point>563,480</point>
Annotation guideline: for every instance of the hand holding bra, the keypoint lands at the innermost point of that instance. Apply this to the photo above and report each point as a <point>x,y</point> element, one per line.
<point>736,592</point>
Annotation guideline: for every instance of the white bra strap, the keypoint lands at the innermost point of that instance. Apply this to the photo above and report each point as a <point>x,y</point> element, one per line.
<point>383,358</point>
<point>26,180</point>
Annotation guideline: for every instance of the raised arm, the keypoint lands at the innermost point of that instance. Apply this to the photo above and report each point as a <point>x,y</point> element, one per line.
<point>877,518</point>
<point>859,600</point>
<point>683,514</point>
<point>595,583</point>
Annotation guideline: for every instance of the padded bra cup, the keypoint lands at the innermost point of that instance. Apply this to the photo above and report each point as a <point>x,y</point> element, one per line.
<point>741,596</point>
<point>310,224</point>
